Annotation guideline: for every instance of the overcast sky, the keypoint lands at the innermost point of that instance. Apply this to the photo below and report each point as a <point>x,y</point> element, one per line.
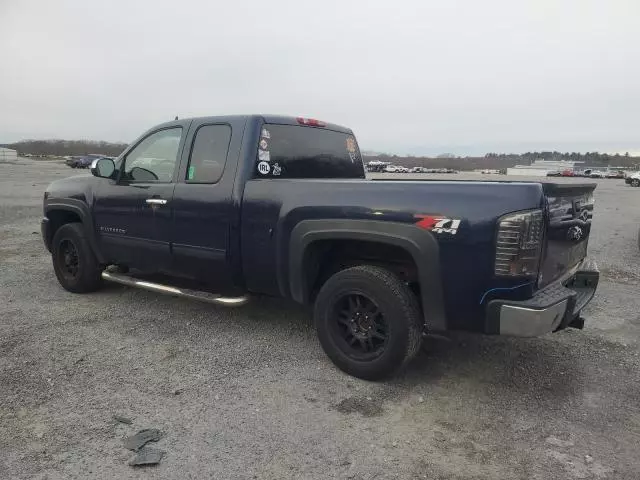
<point>408,76</point>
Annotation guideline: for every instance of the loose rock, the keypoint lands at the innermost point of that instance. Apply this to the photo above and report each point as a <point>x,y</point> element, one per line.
<point>140,439</point>
<point>121,419</point>
<point>146,456</point>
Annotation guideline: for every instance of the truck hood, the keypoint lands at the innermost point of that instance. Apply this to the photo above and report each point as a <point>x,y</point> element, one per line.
<point>78,187</point>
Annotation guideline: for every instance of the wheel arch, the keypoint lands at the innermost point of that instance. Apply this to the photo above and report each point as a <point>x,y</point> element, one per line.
<point>419,244</point>
<point>63,211</point>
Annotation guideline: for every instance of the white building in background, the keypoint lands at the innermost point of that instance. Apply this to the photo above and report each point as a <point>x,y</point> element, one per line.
<point>7,155</point>
<point>542,167</point>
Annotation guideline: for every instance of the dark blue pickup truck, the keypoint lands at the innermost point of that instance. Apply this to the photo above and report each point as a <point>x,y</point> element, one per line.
<point>222,208</point>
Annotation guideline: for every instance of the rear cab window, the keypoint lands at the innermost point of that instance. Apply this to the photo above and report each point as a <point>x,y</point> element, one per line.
<point>292,151</point>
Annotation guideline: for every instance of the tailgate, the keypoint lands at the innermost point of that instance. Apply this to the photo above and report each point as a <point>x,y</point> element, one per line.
<point>569,214</point>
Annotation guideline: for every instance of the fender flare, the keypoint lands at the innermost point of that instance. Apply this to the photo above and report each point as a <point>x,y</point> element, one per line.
<point>81,209</point>
<point>419,243</point>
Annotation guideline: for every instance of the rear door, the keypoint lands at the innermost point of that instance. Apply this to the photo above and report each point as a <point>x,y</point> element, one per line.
<point>288,151</point>
<point>132,214</point>
<point>570,210</point>
<point>204,215</point>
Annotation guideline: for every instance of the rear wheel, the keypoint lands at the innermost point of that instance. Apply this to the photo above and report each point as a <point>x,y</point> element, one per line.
<point>635,182</point>
<point>74,263</point>
<point>368,321</point>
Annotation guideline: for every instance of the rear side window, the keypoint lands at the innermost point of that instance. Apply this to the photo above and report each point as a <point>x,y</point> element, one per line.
<point>209,154</point>
<point>290,151</point>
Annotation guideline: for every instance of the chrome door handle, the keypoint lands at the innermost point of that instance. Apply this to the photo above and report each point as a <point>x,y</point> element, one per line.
<point>156,201</point>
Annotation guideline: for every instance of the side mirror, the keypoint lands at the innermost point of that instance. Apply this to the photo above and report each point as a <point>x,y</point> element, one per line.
<point>103,167</point>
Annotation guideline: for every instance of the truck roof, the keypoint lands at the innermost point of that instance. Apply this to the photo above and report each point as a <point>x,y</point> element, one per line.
<point>266,118</point>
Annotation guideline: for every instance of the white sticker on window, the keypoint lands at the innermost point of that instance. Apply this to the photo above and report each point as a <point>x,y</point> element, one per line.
<point>276,169</point>
<point>265,133</point>
<point>264,168</point>
<point>264,156</point>
<point>263,144</point>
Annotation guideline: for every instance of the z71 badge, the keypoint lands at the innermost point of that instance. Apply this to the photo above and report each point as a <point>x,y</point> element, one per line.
<point>438,224</point>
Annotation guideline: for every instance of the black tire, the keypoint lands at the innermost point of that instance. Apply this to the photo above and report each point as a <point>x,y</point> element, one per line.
<point>635,182</point>
<point>398,320</point>
<point>74,263</point>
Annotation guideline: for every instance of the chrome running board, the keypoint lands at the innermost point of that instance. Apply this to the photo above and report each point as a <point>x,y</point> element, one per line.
<point>179,292</point>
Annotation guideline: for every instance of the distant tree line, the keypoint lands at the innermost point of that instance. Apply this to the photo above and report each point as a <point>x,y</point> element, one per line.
<point>500,161</point>
<point>62,148</point>
<point>589,158</point>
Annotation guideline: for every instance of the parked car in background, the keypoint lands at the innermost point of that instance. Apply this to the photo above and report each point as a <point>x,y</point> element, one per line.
<point>83,161</point>
<point>71,161</point>
<point>615,174</point>
<point>597,174</point>
<point>554,173</point>
<point>377,166</point>
<point>567,173</point>
<point>633,180</point>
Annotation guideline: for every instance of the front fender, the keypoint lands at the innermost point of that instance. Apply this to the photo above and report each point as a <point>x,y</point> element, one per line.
<point>419,243</point>
<point>81,210</point>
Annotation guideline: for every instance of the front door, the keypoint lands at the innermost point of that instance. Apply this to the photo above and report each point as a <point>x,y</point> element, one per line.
<point>133,213</point>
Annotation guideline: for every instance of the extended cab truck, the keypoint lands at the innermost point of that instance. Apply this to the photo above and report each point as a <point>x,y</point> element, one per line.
<point>222,208</point>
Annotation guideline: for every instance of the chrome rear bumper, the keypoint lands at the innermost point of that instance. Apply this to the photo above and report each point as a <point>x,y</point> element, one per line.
<point>530,322</point>
<point>553,308</point>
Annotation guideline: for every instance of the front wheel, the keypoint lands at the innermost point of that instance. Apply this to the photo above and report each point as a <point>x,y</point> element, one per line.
<point>368,322</point>
<point>74,263</point>
<point>635,182</point>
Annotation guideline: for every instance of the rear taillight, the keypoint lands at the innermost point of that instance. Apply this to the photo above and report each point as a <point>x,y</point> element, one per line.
<point>519,244</point>
<point>310,122</point>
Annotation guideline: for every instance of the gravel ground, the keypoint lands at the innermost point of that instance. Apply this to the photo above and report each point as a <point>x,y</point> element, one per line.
<point>248,393</point>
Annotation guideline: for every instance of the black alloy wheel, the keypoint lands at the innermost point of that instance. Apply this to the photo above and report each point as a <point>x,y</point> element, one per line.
<point>68,259</point>
<point>360,326</point>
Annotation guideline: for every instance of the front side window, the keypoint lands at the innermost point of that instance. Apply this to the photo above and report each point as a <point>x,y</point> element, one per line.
<point>155,158</point>
<point>209,154</point>
<point>291,151</point>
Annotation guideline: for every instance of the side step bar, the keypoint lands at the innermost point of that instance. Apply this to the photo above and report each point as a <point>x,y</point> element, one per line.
<point>186,293</point>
